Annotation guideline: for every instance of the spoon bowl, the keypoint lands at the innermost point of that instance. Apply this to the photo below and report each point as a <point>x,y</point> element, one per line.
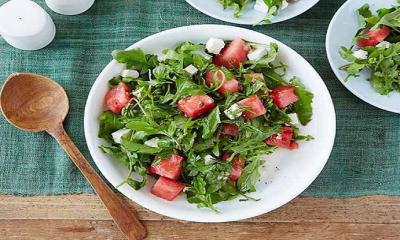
<point>33,102</point>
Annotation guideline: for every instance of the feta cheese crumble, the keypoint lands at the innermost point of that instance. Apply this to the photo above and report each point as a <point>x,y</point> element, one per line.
<point>293,117</point>
<point>233,112</point>
<point>192,70</point>
<point>130,73</point>
<point>117,135</point>
<point>384,44</point>
<point>261,6</point>
<point>215,45</point>
<point>285,4</point>
<point>152,142</point>
<point>360,54</point>
<point>208,159</point>
<point>257,54</point>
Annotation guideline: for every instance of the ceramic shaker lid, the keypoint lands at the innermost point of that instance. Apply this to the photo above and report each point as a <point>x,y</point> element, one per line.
<point>25,25</point>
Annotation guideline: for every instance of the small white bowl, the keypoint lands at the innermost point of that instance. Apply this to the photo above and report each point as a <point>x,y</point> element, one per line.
<point>286,174</point>
<point>341,32</point>
<point>250,16</point>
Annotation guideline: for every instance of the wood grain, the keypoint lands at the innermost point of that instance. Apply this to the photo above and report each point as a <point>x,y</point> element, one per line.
<point>85,217</point>
<point>369,209</point>
<point>90,229</point>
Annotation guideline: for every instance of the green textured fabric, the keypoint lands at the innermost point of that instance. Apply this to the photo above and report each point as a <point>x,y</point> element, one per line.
<point>365,158</point>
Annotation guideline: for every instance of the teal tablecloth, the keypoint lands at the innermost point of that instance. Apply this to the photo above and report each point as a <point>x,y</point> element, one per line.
<point>365,159</point>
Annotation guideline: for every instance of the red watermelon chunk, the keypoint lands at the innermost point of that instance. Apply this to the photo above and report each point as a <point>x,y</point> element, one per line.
<point>374,36</point>
<point>283,139</point>
<point>219,79</point>
<point>195,106</point>
<point>283,96</point>
<point>256,107</point>
<point>233,54</point>
<point>167,189</point>
<point>118,97</point>
<point>230,130</point>
<point>169,168</point>
<point>237,166</point>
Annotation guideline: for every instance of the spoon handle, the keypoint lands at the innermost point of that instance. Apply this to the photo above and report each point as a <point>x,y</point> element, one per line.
<point>123,215</point>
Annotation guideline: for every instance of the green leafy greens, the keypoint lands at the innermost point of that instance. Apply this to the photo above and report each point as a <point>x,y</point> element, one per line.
<point>383,60</point>
<point>152,116</point>
<point>240,5</point>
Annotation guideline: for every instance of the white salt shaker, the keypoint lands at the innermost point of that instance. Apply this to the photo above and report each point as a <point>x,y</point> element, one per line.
<point>25,25</point>
<point>69,7</point>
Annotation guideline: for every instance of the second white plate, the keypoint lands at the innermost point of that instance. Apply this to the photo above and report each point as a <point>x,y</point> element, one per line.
<point>250,16</point>
<point>341,32</point>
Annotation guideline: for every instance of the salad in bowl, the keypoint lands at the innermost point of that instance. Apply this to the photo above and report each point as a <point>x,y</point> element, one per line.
<point>269,7</point>
<point>200,117</point>
<point>209,117</point>
<point>253,12</point>
<point>377,48</point>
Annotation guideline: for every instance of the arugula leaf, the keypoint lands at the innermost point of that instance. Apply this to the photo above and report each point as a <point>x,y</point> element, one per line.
<point>210,124</point>
<point>109,123</point>
<point>132,58</point>
<point>237,5</point>
<point>184,87</point>
<point>144,126</point>
<point>116,152</point>
<point>198,194</point>
<point>250,176</point>
<point>303,107</point>
<point>138,148</point>
<point>390,19</point>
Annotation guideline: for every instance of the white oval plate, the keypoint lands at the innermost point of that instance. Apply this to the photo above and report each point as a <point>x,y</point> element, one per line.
<point>250,16</point>
<point>341,31</point>
<point>281,181</point>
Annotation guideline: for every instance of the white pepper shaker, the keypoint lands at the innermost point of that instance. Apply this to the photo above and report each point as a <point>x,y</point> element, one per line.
<point>69,7</point>
<point>25,25</point>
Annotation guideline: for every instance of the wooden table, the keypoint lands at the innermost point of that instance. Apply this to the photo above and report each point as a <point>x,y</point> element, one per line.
<point>84,217</point>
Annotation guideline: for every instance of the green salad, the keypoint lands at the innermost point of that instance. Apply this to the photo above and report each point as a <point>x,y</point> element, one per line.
<point>377,48</point>
<point>269,7</point>
<point>200,117</point>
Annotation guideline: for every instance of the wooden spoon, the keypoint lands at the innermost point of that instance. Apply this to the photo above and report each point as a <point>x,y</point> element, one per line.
<point>35,103</point>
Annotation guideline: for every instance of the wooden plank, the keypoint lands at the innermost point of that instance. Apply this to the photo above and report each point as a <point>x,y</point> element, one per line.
<point>88,229</point>
<point>370,209</point>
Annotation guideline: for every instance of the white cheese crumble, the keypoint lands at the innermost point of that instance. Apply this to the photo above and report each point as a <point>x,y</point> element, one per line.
<point>152,142</point>
<point>130,73</point>
<point>285,4</point>
<point>360,54</point>
<point>215,45</point>
<point>261,6</point>
<point>257,54</point>
<point>208,159</point>
<point>384,44</point>
<point>233,112</point>
<point>192,70</point>
<point>293,117</point>
<point>161,57</point>
<point>118,134</point>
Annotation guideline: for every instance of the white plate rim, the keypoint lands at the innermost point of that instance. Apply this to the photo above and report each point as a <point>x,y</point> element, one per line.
<point>336,70</point>
<point>217,218</point>
<point>278,19</point>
